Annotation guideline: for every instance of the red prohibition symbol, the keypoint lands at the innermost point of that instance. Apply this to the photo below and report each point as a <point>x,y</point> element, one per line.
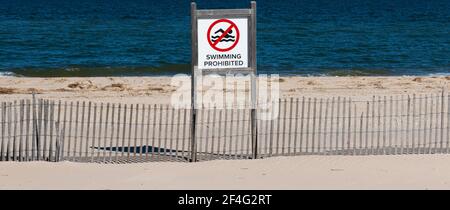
<point>214,43</point>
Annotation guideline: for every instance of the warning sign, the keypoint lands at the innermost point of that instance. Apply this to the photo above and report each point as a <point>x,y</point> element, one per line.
<point>222,43</point>
<point>224,37</point>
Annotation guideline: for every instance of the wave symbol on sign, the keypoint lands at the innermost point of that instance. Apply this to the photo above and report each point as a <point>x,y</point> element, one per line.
<point>227,38</point>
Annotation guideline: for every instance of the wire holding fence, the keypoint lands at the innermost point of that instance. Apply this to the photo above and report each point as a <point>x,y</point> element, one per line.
<point>81,131</point>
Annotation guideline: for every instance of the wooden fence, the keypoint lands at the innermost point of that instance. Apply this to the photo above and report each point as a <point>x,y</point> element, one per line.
<point>46,130</point>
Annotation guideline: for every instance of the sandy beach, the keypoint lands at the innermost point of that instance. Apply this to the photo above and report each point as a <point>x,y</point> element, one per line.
<point>301,172</point>
<point>220,95</point>
<point>159,89</point>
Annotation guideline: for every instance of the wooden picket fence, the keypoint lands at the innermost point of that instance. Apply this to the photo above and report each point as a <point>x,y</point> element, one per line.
<point>47,130</point>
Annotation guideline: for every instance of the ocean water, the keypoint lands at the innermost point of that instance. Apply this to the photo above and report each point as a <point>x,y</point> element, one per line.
<point>295,37</point>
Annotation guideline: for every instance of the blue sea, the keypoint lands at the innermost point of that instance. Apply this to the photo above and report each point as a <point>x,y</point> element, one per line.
<point>295,37</point>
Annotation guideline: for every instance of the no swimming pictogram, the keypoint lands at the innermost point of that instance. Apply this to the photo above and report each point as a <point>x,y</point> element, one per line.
<point>223,35</point>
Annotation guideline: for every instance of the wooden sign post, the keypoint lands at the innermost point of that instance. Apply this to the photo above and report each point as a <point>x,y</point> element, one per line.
<point>223,43</point>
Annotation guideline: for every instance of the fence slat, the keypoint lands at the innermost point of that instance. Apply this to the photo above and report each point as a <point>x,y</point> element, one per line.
<point>262,130</point>
<point>119,109</point>
<point>34,130</point>
<point>290,126</point>
<point>408,127</point>
<point>307,126</point>
<point>39,134</point>
<point>372,128</point>
<point>231,134</point>
<point>377,151</point>
<point>224,132</point>
<point>147,139</point>
<point>355,127</point>
<point>76,133</point>
<point>413,126</point>
<point>366,138</point>
<point>58,141</point>
<point>21,130</point>
<point>243,129</point>
<point>319,129</point>
<point>166,134</point>
<point>213,138</point>
<point>360,152</point>
<point>69,133</point>
<point>154,132</point>
<point>390,125</point>
<point>240,135</point>
<point>272,118</point>
<point>344,124</point>
<point>397,124</point>
<point>94,126</point>
<point>313,136</point>
<point>338,110</point>
<point>45,121</point>
<point>279,118</point>
<point>403,130</point>
<point>331,126</point>
<point>325,127</point>
<point>27,137</point>
<point>10,135</point>
<point>436,127</point>
<point>104,147</point>
<point>442,123</point>
<point>136,121</point>
<point>52,124</point>
<point>430,137</point>
<point>2,146</point>
<point>207,128</point>
<point>130,132</point>
<point>15,121</point>
<point>123,147</point>
<point>285,120</point>
<point>63,140</point>
<point>159,132</point>
<point>349,128</point>
<point>296,127</point>
<point>51,134</point>
<point>248,115</point>
<point>425,126</point>
<point>175,150</point>
<point>186,126</point>
<point>141,145</point>
<point>83,107</point>
<point>384,125</point>
<point>219,134</point>
<point>448,124</point>
<point>201,116</point>
<point>419,127</point>
<point>111,141</point>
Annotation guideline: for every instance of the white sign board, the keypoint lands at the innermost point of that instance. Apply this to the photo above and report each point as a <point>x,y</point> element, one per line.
<point>222,43</point>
